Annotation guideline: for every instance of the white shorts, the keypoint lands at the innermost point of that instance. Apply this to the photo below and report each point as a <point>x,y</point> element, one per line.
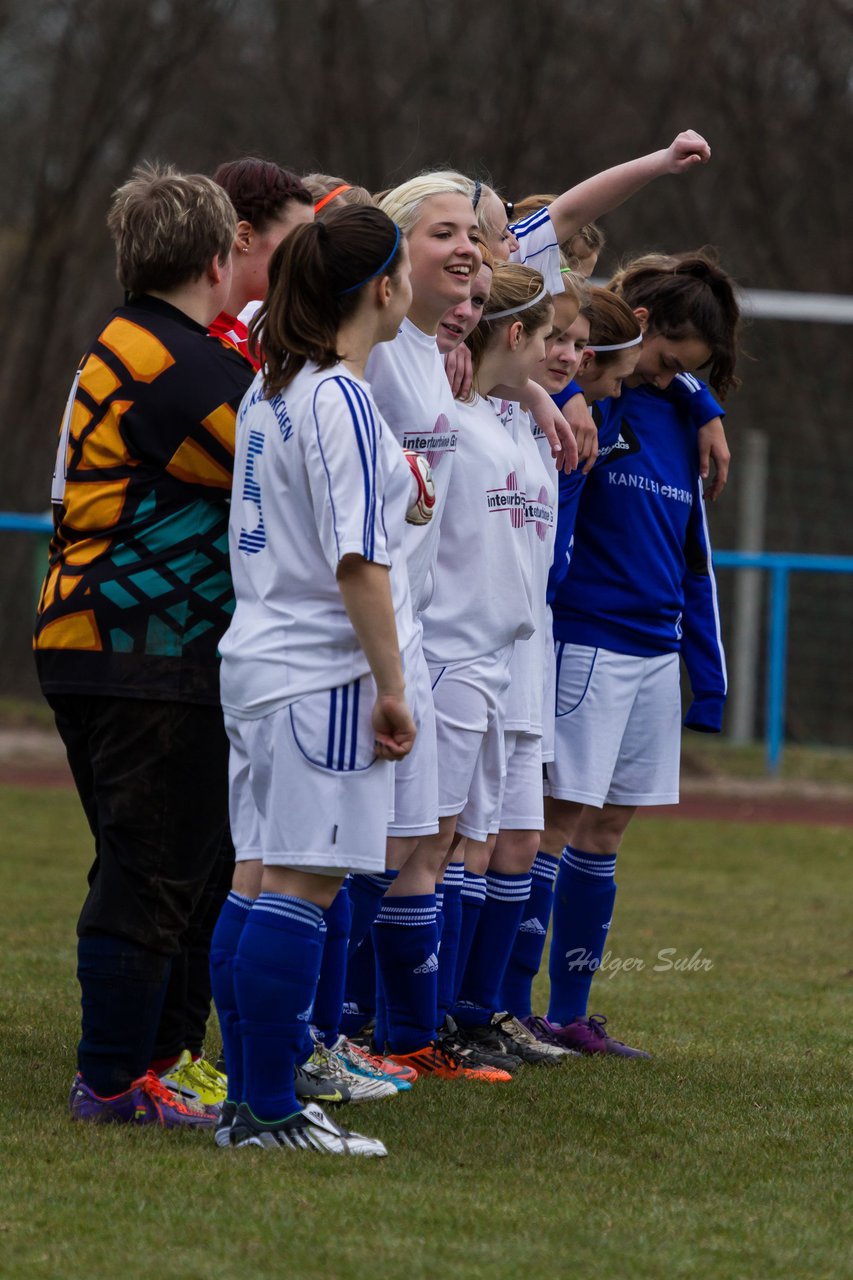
<point>415,803</point>
<point>618,728</point>
<point>521,807</point>
<point>469,699</point>
<point>305,789</point>
<point>549,703</point>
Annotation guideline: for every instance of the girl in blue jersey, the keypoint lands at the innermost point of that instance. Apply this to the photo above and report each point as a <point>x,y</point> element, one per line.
<point>311,680</point>
<point>638,592</point>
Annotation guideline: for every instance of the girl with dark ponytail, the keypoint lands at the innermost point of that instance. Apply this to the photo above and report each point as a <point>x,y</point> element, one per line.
<point>311,677</point>
<point>639,594</point>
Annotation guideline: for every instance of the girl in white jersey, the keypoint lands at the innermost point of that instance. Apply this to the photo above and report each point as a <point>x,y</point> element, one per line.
<point>408,381</point>
<point>596,319</point>
<point>481,1011</point>
<point>311,678</point>
<point>481,605</point>
<point>536,239</point>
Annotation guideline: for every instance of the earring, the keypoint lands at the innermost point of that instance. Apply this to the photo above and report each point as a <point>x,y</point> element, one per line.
<point>244,248</point>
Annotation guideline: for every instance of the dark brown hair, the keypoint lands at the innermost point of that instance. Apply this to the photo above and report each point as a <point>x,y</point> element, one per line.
<point>316,277</point>
<point>691,298</point>
<point>260,190</point>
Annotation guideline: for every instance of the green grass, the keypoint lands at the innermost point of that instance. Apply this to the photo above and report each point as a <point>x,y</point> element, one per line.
<point>25,713</point>
<point>706,755</point>
<point>724,1157</point>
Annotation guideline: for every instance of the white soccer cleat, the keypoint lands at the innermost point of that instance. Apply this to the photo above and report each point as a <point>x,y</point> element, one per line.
<point>307,1130</point>
<point>333,1065</point>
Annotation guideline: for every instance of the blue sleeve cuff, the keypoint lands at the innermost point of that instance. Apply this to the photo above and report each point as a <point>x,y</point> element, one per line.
<point>705,714</point>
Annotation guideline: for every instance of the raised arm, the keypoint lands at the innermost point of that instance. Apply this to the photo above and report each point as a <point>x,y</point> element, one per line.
<point>607,190</point>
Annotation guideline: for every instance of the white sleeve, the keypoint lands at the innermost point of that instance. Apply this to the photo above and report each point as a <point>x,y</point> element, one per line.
<point>538,248</point>
<point>347,482</point>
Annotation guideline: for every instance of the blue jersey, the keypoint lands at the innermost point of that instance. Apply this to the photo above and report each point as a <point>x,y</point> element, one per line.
<point>632,568</point>
<point>691,394</point>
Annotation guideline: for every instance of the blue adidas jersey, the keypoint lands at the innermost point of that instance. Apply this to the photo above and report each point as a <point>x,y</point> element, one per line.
<point>632,569</point>
<point>688,391</point>
<point>685,387</point>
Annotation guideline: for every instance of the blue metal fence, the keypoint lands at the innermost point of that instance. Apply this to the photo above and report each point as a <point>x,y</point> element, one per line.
<point>779,565</point>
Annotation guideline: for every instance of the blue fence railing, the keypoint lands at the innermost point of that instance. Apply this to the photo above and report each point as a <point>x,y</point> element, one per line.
<point>778,564</point>
<point>17,523</point>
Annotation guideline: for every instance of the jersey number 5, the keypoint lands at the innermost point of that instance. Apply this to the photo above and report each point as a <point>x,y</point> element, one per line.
<point>250,543</point>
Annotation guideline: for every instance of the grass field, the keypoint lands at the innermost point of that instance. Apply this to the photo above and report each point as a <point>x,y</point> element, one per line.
<point>724,1157</point>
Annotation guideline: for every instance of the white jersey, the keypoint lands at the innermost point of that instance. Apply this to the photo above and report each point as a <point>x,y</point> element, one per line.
<point>482,599</point>
<point>317,476</point>
<point>538,248</point>
<point>544,448</point>
<point>524,708</point>
<point>410,387</point>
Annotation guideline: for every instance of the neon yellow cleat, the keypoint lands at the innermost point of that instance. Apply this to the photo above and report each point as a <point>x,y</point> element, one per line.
<point>196,1081</point>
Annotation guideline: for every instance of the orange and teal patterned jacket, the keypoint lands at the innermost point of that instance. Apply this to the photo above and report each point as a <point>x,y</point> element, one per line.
<point>138,588</point>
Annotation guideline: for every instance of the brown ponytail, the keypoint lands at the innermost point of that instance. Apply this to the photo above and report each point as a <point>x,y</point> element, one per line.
<point>691,296</point>
<point>316,280</point>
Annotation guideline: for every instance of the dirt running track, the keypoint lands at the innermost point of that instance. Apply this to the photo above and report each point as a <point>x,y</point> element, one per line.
<point>35,758</point>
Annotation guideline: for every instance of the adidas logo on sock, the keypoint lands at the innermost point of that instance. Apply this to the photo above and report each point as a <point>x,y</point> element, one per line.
<point>428,966</point>
<point>351,1007</point>
<point>305,1016</point>
<point>532,926</point>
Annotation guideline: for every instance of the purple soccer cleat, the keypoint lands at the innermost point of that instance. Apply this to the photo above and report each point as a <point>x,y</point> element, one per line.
<point>147,1101</point>
<point>584,1035</point>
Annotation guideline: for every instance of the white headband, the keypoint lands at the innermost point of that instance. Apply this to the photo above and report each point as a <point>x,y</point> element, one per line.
<point>511,311</point>
<point>616,346</point>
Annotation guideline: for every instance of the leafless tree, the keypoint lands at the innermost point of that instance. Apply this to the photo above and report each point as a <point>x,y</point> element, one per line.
<point>536,96</point>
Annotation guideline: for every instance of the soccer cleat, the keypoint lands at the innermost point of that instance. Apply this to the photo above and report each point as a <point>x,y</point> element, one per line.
<point>587,1035</point>
<point>523,1042</point>
<point>543,1030</point>
<point>147,1101</point>
<point>361,1063</point>
<point>317,1086</point>
<point>196,1081</point>
<point>485,1051</point>
<point>307,1130</point>
<point>222,1136</point>
<point>435,1059</point>
<point>392,1069</point>
<point>333,1066</point>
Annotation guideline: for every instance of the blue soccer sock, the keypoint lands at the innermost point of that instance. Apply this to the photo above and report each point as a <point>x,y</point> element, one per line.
<point>366,894</point>
<point>451,922</point>
<point>583,906</point>
<point>380,1033</point>
<point>473,896</point>
<point>480,989</point>
<point>525,959</point>
<point>329,1000</point>
<point>223,949</point>
<point>360,988</point>
<point>405,937</point>
<point>275,978</point>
